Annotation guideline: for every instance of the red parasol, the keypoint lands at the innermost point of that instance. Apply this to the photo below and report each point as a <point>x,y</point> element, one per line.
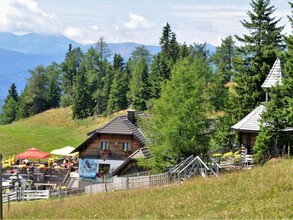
<point>33,153</point>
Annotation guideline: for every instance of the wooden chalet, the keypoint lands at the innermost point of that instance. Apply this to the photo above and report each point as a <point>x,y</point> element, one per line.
<point>249,126</point>
<point>109,146</point>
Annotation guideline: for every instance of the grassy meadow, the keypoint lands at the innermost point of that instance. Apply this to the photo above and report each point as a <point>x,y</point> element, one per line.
<point>261,193</point>
<point>47,131</point>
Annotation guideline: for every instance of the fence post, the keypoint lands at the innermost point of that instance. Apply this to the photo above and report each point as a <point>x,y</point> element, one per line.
<point>127,183</point>
<point>8,202</point>
<point>106,189</point>
<point>91,189</point>
<point>59,192</point>
<point>149,179</point>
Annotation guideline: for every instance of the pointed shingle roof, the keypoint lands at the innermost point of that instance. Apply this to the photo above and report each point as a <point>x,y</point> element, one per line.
<point>275,75</point>
<point>250,122</point>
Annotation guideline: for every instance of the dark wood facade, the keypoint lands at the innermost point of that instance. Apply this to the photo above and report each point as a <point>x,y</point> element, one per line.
<point>247,140</point>
<point>115,150</point>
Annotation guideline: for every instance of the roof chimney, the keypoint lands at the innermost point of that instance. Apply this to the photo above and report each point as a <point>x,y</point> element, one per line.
<point>131,115</point>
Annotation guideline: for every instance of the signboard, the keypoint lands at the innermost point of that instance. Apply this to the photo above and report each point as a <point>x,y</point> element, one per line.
<point>88,168</point>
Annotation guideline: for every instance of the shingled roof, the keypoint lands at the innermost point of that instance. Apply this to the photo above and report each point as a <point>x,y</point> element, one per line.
<point>120,125</point>
<point>275,75</point>
<point>140,153</point>
<point>251,122</point>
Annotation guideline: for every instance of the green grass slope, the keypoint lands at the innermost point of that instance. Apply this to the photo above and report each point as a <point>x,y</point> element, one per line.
<point>262,193</point>
<point>47,131</point>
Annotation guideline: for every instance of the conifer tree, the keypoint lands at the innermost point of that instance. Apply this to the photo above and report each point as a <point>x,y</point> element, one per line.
<point>223,58</point>
<point>277,120</point>
<point>138,94</point>
<point>140,52</point>
<point>163,61</point>
<point>10,107</point>
<point>70,68</point>
<point>257,55</point>
<point>12,92</point>
<point>91,62</point>
<point>36,93</point>
<point>288,80</point>
<point>53,94</point>
<point>178,123</point>
<point>104,77</point>
<point>23,106</point>
<point>80,107</point>
<point>117,97</point>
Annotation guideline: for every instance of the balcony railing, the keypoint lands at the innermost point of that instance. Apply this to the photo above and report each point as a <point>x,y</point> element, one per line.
<point>113,156</point>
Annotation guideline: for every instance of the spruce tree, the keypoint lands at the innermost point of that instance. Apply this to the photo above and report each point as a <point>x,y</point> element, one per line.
<point>138,94</point>
<point>91,62</point>
<point>10,107</point>
<point>163,61</point>
<point>117,96</point>
<point>288,80</point>
<point>53,94</point>
<point>80,107</point>
<point>24,105</point>
<point>9,111</point>
<point>278,118</point>
<point>256,55</point>
<point>12,92</point>
<point>70,68</point>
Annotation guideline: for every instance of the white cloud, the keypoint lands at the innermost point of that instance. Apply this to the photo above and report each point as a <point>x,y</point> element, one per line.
<point>137,21</point>
<point>72,32</point>
<point>23,16</point>
<point>94,27</point>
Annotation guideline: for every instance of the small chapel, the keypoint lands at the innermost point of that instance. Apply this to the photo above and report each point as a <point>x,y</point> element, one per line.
<point>249,126</point>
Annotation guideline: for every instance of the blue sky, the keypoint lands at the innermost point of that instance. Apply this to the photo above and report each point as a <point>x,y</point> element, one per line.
<point>131,20</point>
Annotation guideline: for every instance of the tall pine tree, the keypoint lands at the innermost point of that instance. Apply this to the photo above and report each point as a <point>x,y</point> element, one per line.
<point>117,99</point>
<point>138,94</point>
<point>10,107</point>
<point>257,54</point>
<point>163,61</point>
<point>80,107</point>
<point>70,69</point>
<point>277,121</point>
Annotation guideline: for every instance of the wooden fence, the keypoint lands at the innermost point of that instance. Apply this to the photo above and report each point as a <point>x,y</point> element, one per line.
<point>20,195</point>
<point>122,183</point>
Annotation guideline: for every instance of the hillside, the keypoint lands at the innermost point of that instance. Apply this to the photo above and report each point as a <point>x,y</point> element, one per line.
<point>47,131</point>
<point>261,193</point>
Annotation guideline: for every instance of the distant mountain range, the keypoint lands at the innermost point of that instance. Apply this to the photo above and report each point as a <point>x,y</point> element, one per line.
<point>21,53</point>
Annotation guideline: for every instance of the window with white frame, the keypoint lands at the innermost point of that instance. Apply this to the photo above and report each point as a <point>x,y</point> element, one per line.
<point>126,146</point>
<point>104,145</point>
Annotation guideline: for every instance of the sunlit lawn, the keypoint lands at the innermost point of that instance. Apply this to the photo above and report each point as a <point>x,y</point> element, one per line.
<point>262,193</point>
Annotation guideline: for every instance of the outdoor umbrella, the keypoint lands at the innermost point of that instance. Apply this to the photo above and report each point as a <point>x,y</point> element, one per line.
<point>65,151</point>
<point>33,153</point>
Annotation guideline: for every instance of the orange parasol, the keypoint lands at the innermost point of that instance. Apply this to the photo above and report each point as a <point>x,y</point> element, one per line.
<point>33,153</point>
